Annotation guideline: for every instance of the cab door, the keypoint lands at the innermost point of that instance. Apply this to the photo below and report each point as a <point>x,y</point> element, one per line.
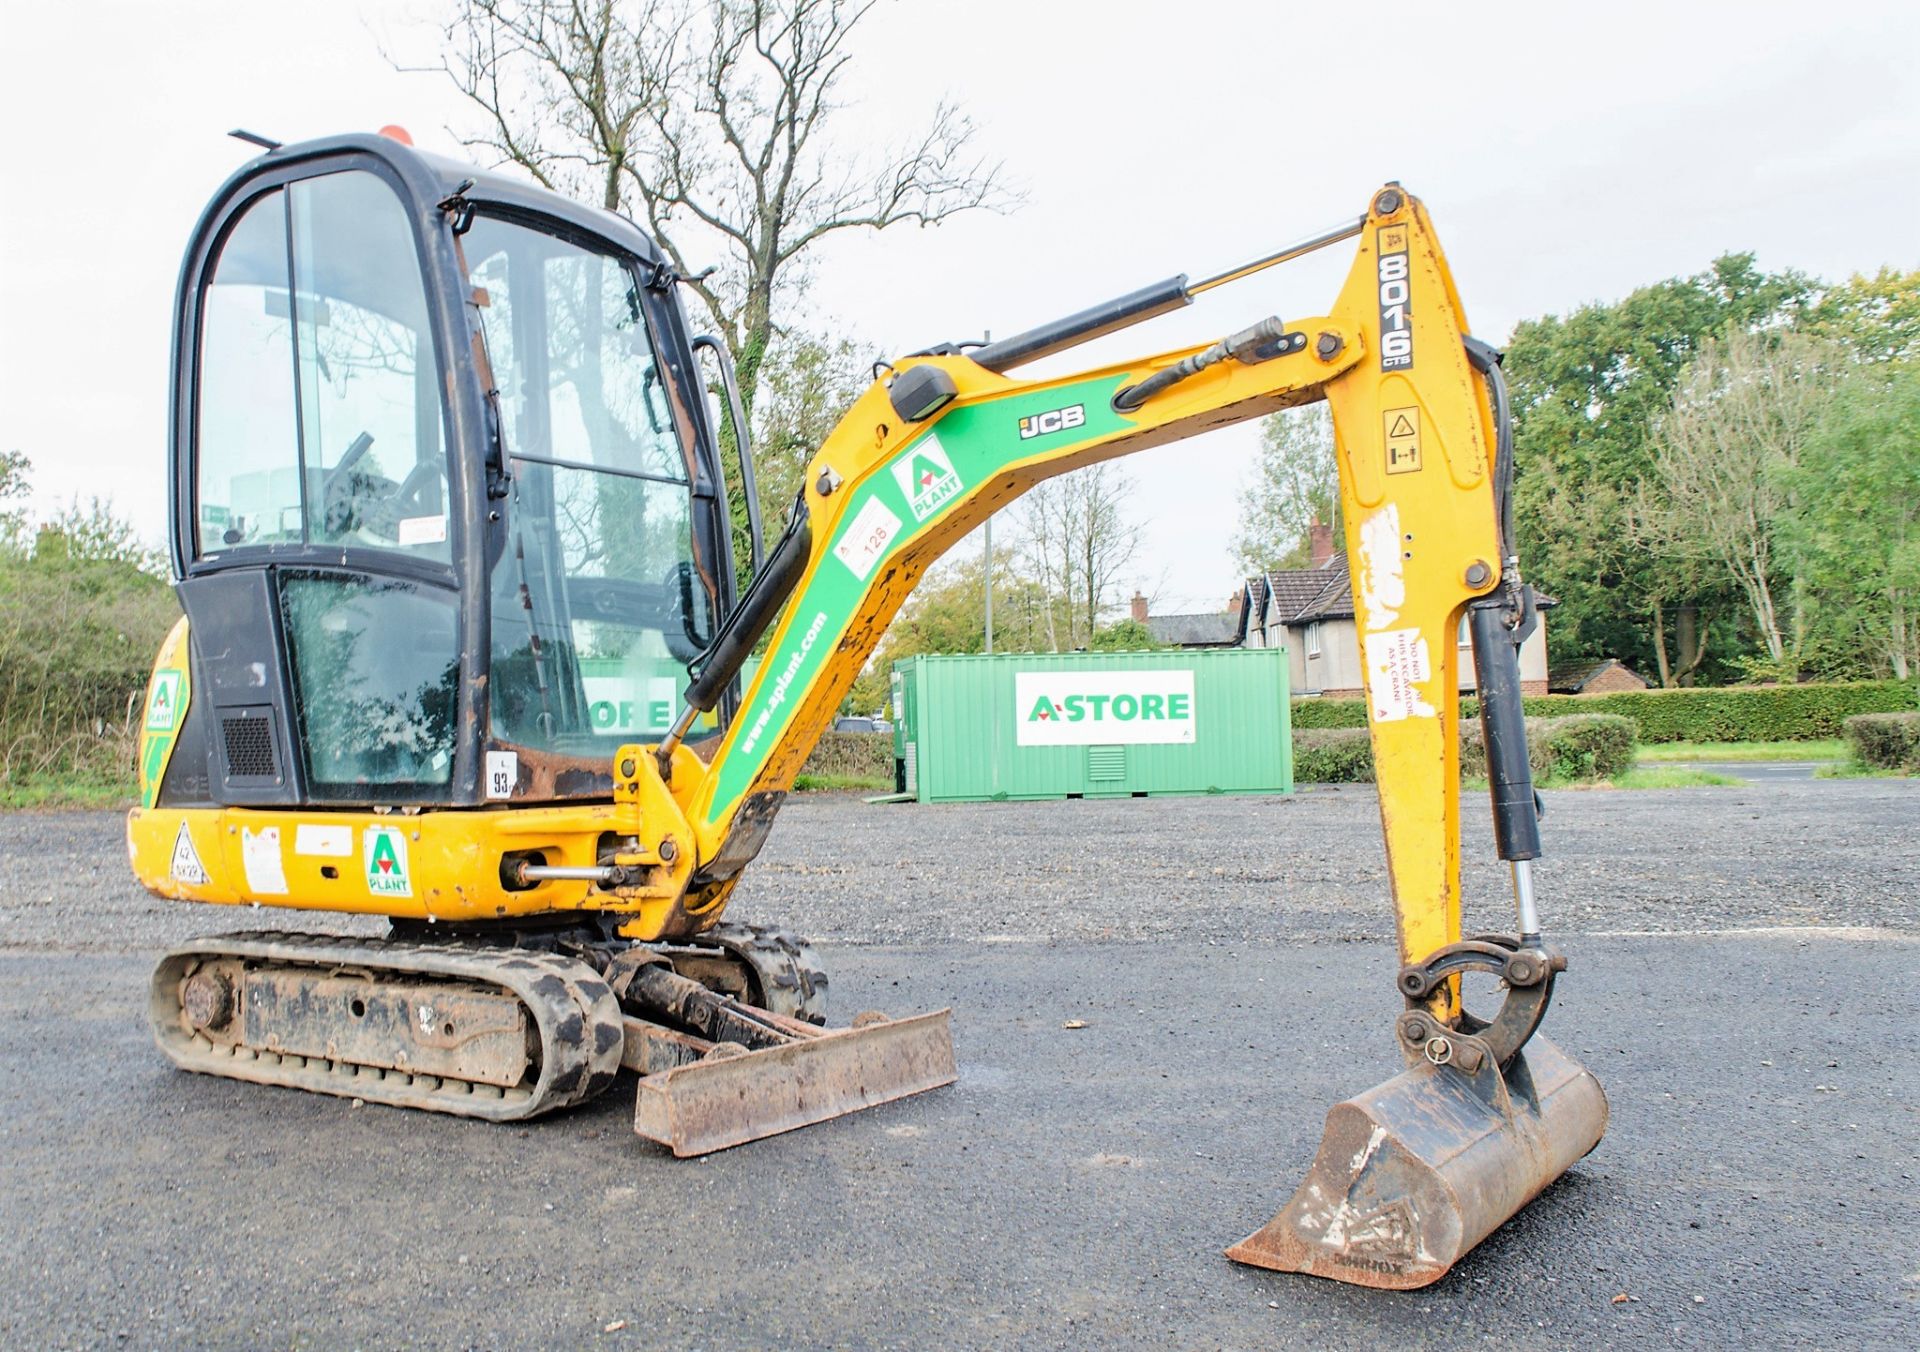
<point>317,517</point>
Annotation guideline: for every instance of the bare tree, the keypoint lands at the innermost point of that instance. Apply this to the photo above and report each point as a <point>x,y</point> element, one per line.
<point>1076,542</point>
<point>715,123</point>
<point>1744,410</point>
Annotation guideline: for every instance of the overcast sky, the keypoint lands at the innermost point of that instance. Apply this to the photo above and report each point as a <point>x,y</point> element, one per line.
<point>1568,153</point>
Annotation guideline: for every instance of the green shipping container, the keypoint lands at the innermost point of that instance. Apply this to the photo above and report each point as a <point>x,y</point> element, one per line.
<point>1093,725</point>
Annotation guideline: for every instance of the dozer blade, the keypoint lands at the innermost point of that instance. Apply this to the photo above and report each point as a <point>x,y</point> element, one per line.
<point>718,1102</point>
<point>1414,1172</point>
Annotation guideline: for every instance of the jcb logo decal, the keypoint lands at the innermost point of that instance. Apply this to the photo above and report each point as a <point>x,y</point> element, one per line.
<point>1058,420</point>
<point>1396,324</point>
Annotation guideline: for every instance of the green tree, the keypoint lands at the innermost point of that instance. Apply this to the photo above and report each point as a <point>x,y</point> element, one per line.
<point>946,614</point>
<point>1722,455</point>
<point>1855,523</point>
<point>1587,388</point>
<point>1878,317</point>
<point>1294,484</point>
<point>806,386</point>
<point>1128,635</point>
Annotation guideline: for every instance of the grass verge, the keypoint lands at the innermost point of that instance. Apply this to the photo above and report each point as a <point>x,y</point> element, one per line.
<point>1669,777</point>
<point>52,791</point>
<point>1639,777</point>
<point>1824,748</point>
<point>1855,770</point>
<point>841,784</point>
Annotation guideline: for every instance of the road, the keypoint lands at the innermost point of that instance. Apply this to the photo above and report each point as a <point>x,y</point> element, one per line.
<point>1742,983</point>
<point>1761,772</point>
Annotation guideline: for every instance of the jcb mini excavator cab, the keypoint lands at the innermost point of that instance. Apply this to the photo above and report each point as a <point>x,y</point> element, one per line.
<point>429,562</point>
<point>450,525</point>
<point>462,649</point>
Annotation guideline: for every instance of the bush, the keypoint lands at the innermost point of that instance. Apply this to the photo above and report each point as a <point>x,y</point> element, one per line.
<point>1735,713</point>
<point>77,642</point>
<point>1885,741</point>
<point>1588,746</point>
<point>1332,756</point>
<point>852,755</point>
<point>1319,712</point>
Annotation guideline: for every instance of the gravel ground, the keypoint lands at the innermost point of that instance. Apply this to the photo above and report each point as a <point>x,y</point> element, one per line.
<point>1309,866</point>
<point>1757,1186</point>
<point>1741,978</point>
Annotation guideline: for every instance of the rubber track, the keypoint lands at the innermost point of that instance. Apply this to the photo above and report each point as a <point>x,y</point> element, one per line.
<point>574,1011</point>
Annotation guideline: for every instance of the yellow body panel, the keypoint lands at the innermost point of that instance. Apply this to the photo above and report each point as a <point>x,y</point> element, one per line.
<point>437,865</point>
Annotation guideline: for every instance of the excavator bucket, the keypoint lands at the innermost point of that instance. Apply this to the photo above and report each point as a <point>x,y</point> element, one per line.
<point>1415,1172</point>
<point>696,1097</point>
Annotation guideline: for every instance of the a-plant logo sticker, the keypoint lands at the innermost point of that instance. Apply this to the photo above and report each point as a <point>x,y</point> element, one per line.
<point>1086,708</point>
<point>163,706</point>
<point>926,476</point>
<point>384,850</point>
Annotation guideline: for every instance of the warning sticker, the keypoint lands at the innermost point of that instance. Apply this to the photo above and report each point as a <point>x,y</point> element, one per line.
<point>328,841</point>
<point>871,531</point>
<point>384,849</point>
<point>1398,665</point>
<point>1403,440</point>
<point>260,856</point>
<point>163,706</point>
<point>186,867</point>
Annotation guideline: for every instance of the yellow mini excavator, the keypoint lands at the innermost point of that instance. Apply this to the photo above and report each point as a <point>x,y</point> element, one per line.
<point>463,650</point>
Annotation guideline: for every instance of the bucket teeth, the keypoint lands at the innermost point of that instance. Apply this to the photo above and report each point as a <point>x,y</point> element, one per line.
<point>1413,1173</point>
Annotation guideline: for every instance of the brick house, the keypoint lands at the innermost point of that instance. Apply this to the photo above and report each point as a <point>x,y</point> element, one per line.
<point>1594,678</point>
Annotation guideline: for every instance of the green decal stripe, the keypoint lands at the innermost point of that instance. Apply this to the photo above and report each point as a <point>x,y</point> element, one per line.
<point>981,440</point>
<point>156,744</point>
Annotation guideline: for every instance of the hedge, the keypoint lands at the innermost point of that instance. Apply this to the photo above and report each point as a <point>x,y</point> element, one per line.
<point>852,755</point>
<point>1585,746</point>
<point>1885,741</point>
<point>1735,713</point>
<point>1332,756</point>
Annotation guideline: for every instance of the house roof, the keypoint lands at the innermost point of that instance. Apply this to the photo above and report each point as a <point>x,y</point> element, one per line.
<point>1209,629</point>
<point>1303,594</point>
<point>1570,678</point>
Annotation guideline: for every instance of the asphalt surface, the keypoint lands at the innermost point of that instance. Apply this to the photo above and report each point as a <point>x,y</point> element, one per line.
<point>1742,983</point>
<point>1761,772</point>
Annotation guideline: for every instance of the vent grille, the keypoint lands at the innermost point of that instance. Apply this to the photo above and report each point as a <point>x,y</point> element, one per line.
<point>248,739</point>
<point>1106,763</point>
<point>913,768</point>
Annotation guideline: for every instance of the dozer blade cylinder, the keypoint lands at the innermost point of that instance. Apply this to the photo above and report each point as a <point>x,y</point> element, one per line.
<point>716,1103</point>
<point>1415,1172</point>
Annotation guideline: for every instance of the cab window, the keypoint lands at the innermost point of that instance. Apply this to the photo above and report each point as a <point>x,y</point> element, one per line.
<point>320,418</point>
<point>597,605</point>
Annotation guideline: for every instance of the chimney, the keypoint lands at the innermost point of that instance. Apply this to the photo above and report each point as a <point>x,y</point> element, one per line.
<point>1319,544</point>
<point>1139,608</point>
<point>1235,601</point>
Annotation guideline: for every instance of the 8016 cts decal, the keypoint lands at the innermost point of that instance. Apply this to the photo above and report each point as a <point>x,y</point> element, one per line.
<point>1396,324</point>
